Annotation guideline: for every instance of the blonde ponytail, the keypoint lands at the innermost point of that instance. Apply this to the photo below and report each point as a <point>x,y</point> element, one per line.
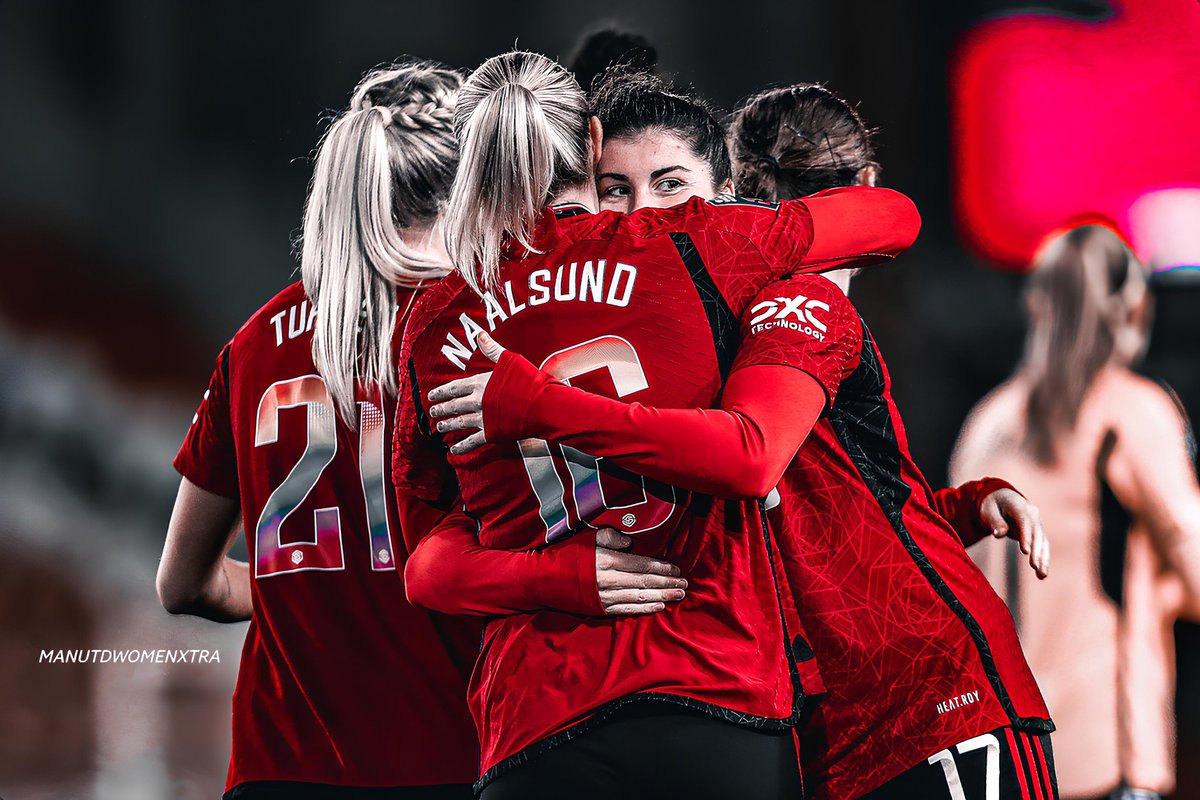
<point>522,125</point>
<point>384,165</point>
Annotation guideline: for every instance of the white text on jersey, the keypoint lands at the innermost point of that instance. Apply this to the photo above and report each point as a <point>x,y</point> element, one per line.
<point>589,282</point>
<point>952,703</point>
<point>777,313</point>
<point>300,319</point>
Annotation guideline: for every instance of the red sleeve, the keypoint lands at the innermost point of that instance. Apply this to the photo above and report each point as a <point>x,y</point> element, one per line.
<point>739,450</point>
<point>801,337</point>
<point>857,226</point>
<point>207,457</point>
<point>853,226</point>
<point>960,507</point>
<point>806,323</point>
<point>451,572</point>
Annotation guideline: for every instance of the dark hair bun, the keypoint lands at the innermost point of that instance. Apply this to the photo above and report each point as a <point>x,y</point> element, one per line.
<point>796,140</point>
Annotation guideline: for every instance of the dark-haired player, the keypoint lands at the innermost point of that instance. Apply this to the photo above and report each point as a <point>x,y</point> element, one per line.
<point>642,706</point>
<point>893,604</point>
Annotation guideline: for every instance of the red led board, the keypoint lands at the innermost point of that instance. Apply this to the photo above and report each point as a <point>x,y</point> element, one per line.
<point>1053,119</point>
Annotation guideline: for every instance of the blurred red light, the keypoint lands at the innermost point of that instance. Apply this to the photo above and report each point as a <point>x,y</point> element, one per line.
<point>1055,118</point>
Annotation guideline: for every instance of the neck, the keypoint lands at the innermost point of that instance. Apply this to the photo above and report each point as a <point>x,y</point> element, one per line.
<point>584,194</point>
<point>426,238</point>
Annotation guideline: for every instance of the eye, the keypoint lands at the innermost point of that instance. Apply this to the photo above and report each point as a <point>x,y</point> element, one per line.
<point>615,190</point>
<point>669,185</point>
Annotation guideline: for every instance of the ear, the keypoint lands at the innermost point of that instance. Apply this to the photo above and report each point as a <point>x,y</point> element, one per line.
<point>596,134</point>
<point>726,188</point>
<point>867,176</point>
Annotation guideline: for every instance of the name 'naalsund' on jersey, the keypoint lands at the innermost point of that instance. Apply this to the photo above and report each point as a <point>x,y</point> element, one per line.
<point>589,282</point>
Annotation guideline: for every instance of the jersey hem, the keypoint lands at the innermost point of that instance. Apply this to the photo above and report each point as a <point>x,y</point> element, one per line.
<point>603,712</point>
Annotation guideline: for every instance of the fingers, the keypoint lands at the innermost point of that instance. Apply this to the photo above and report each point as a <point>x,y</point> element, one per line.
<point>467,404</point>
<point>610,579</point>
<point>456,388</point>
<point>641,600</point>
<point>634,609</point>
<point>1039,558</point>
<point>1041,563</point>
<point>614,597</point>
<point>617,561</point>
<point>613,539</point>
<point>489,347</point>
<point>1028,521</point>
<point>472,421</point>
<point>468,444</point>
<point>1027,529</point>
<point>989,512</point>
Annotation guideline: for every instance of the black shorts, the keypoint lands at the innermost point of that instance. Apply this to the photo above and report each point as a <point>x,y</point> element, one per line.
<point>294,790</point>
<point>1005,764</point>
<point>655,750</point>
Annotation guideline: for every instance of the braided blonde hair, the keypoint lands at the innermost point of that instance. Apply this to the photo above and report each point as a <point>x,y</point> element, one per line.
<point>384,165</point>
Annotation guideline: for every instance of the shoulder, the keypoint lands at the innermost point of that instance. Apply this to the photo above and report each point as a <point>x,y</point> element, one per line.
<point>1139,402</point>
<point>1000,400</point>
<point>1002,407</point>
<point>814,284</point>
<point>725,213</point>
<point>813,296</point>
<point>430,305</point>
<point>990,427</point>
<point>261,324</point>
<point>432,301</point>
<point>586,224</point>
<point>1132,396</point>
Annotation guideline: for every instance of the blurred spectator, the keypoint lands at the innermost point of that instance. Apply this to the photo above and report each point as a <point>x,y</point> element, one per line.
<point>1106,455</point>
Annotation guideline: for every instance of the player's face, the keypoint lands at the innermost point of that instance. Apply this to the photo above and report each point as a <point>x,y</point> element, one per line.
<point>656,168</point>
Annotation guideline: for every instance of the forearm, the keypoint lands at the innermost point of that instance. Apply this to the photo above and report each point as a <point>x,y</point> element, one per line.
<point>737,451</point>
<point>451,572</point>
<point>858,226</point>
<point>224,595</point>
<point>195,575</point>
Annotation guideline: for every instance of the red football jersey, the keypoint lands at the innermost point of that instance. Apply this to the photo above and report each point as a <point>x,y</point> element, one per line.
<point>643,307</point>
<point>341,681</point>
<point>917,651</point>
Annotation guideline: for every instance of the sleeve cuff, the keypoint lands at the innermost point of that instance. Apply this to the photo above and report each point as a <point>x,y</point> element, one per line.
<point>509,396</point>
<point>569,584</point>
<point>224,485</point>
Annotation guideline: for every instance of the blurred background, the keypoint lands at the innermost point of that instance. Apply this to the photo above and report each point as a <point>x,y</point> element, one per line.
<point>153,165</point>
